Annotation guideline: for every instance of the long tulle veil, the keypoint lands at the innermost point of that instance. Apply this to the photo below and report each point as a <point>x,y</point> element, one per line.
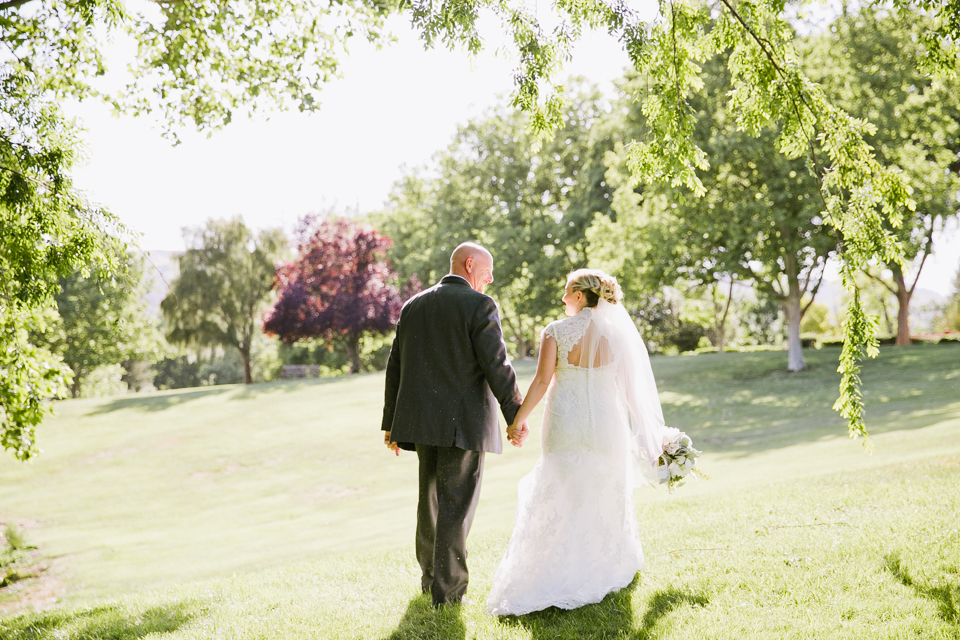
<point>612,339</point>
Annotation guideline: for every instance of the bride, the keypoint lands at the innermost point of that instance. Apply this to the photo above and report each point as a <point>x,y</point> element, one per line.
<point>575,539</point>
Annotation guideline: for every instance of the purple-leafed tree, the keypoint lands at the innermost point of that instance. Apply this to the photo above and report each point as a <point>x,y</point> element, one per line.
<point>338,288</point>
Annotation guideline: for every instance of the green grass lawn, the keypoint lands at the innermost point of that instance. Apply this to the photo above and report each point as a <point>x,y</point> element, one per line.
<point>274,511</point>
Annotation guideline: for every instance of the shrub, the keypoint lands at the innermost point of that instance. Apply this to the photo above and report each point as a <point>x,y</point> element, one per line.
<point>15,538</point>
<point>177,373</point>
<point>104,381</point>
<point>687,336</point>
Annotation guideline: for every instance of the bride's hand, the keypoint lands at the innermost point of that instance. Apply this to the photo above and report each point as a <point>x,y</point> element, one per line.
<point>516,434</point>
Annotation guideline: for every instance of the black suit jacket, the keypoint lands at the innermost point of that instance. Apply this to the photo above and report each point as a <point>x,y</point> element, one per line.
<point>448,370</point>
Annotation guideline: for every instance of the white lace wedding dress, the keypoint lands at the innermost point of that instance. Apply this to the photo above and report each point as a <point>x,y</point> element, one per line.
<point>576,537</point>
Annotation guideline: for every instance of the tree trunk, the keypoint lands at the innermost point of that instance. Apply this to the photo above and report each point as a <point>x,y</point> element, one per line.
<point>516,331</point>
<point>903,307</point>
<point>886,316</point>
<point>793,312</point>
<point>247,377</point>
<point>791,308</point>
<point>721,322</point>
<point>75,385</point>
<point>523,345</point>
<point>353,350</point>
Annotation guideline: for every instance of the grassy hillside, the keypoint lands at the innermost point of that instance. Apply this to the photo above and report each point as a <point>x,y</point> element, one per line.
<point>287,487</point>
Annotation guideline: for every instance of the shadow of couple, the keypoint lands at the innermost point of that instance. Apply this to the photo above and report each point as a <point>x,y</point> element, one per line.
<point>422,622</point>
<point>613,617</point>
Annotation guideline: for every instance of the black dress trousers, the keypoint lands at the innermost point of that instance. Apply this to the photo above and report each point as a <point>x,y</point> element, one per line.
<point>449,492</point>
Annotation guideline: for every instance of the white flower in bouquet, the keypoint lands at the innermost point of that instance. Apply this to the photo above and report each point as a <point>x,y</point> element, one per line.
<point>670,435</point>
<point>679,458</point>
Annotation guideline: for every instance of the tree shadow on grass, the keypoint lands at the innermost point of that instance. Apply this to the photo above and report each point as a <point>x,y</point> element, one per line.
<point>610,618</point>
<point>107,622</point>
<point>258,389</point>
<point>744,404</point>
<point>163,400</point>
<point>422,622</point>
<point>160,401</point>
<point>946,596</point>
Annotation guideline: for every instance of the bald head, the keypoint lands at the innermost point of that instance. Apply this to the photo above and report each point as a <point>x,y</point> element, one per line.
<point>467,250</point>
<point>473,263</point>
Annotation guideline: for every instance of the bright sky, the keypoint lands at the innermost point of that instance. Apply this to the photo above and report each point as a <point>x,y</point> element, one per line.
<point>393,107</point>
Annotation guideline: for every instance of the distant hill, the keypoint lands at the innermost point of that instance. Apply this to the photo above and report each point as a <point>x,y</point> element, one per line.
<point>923,305</point>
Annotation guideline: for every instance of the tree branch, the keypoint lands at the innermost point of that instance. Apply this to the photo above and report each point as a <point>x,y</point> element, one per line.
<point>813,292</point>
<point>26,177</point>
<point>926,253</point>
<point>726,308</point>
<point>760,41</point>
<point>796,108</point>
<point>880,280</point>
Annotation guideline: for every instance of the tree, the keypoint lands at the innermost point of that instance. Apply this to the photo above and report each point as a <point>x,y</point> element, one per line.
<point>339,287</point>
<point>226,275</point>
<point>29,377</point>
<point>47,232</point>
<point>758,219</point>
<point>101,321</point>
<point>868,61</point>
<point>531,206</point>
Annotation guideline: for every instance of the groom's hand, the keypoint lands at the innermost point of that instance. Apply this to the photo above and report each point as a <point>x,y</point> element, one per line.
<point>512,435</point>
<point>390,445</point>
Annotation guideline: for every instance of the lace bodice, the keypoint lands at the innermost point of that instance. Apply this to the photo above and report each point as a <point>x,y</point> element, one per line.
<point>568,332</point>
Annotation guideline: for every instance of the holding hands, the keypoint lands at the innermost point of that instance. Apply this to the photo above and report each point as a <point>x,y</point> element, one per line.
<point>517,433</point>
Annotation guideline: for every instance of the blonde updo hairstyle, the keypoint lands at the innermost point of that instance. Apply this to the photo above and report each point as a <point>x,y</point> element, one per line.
<point>595,284</point>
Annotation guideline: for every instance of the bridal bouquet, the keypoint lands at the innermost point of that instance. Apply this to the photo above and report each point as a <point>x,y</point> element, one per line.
<point>679,458</point>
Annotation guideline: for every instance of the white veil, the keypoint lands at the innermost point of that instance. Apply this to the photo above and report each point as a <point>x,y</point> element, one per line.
<point>612,339</point>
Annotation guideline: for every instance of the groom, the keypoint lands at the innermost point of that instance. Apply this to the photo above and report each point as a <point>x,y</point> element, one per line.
<point>447,371</point>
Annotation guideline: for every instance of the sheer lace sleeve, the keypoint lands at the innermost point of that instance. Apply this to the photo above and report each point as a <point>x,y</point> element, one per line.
<point>567,333</point>
<point>551,330</point>
<point>548,331</point>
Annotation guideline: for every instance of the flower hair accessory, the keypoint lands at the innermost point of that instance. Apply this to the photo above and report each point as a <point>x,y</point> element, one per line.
<point>609,290</point>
